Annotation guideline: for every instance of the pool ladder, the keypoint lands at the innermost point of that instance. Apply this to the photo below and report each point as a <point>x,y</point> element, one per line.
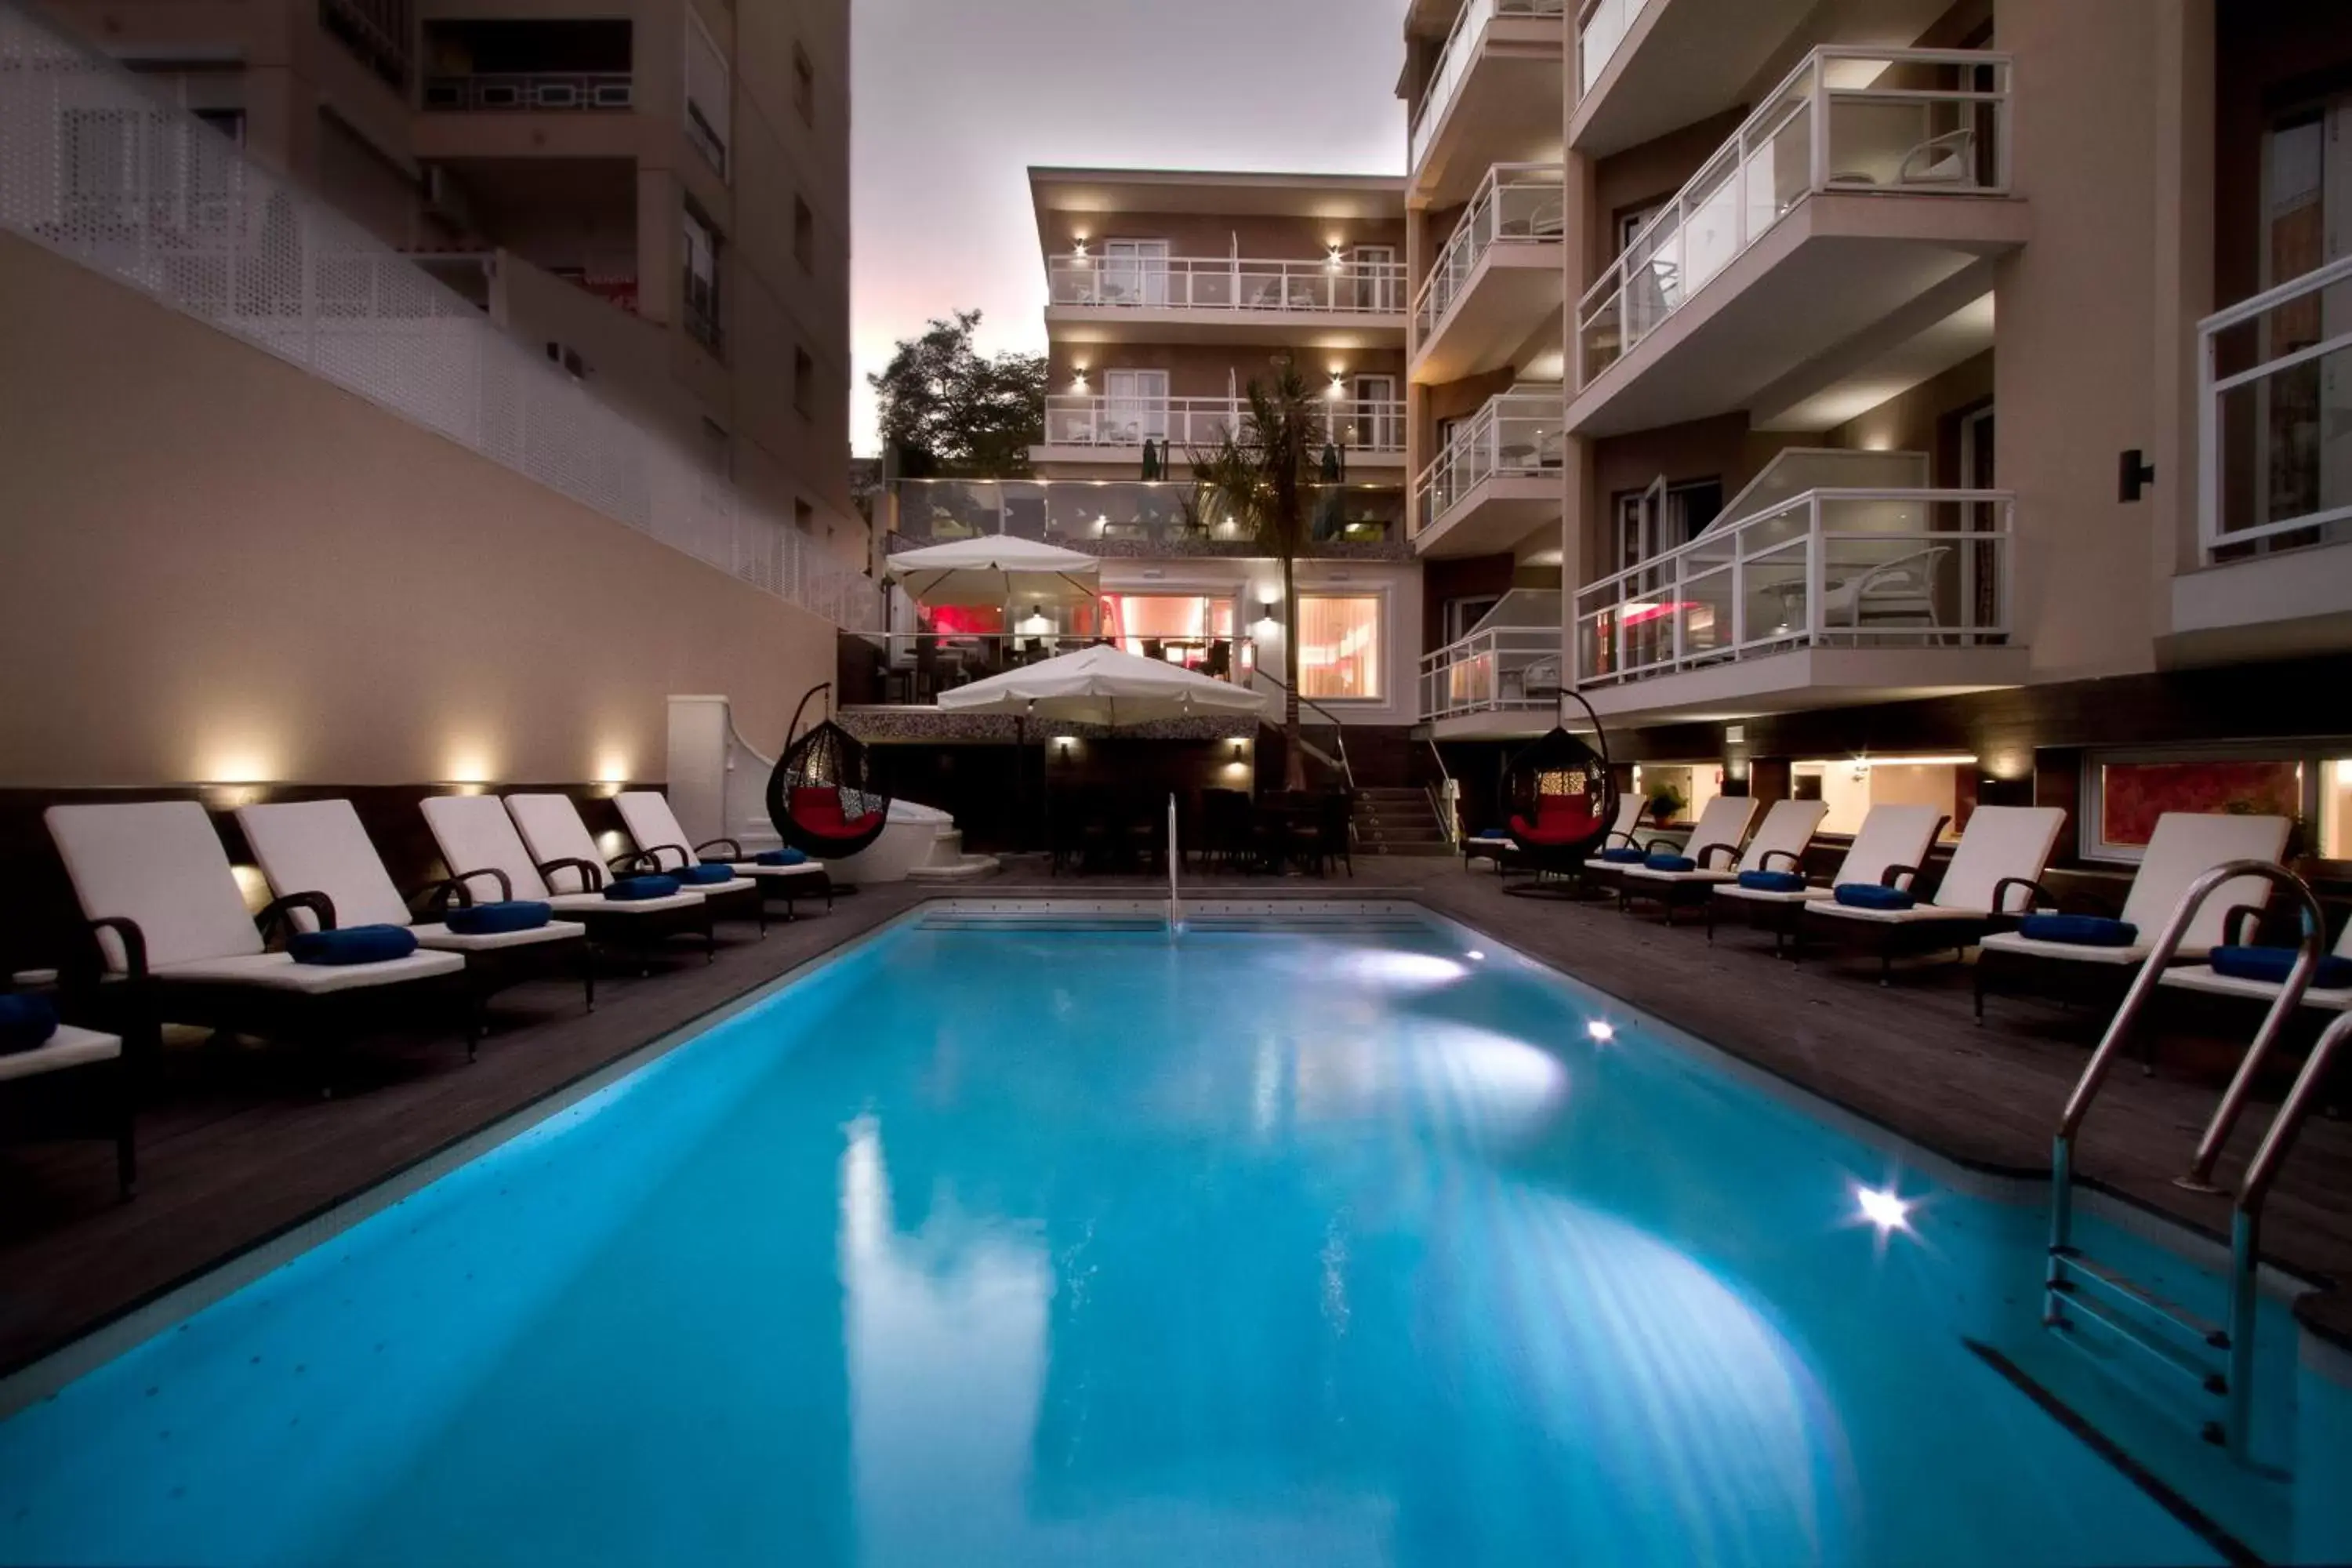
<point>2216,1359</point>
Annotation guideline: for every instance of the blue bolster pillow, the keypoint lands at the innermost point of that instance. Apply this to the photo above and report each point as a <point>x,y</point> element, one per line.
<point>2078,930</point>
<point>25,1023</point>
<point>351,944</point>
<point>705,875</point>
<point>1871,896</point>
<point>1624,857</point>
<point>496,919</point>
<point>2272,963</point>
<point>1772,881</point>
<point>631,889</point>
<point>781,856</point>
<point>1665,862</point>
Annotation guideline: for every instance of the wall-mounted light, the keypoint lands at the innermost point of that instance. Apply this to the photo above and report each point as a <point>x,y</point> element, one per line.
<point>1078,248</point>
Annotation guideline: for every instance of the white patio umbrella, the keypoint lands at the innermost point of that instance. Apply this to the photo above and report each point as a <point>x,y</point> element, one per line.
<point>1103,686</point>
<point>998,569</point>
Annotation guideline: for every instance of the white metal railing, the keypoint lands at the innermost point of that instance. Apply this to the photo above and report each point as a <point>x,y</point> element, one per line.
<point>1847,568</point>
<point>1517,204</point>
<point>1601,26</point>
<point>1517,435</point>
<point>1455,60</point>
<point>505,90</point>
<point>2274,417</point>
<point>1499,669</point>
<point>1917,121</point>
<point>1184,423</point>
<point>96,169</point>
<point>1341,285</point>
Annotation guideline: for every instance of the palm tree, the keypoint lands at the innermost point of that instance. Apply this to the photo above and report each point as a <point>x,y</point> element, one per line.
<point>1259,475</point>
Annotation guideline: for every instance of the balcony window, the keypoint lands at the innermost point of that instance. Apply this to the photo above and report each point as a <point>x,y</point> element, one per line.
<point>560,66</point>
<point>707,93</point>
<point>1339,646</point>
<point>703,315</point>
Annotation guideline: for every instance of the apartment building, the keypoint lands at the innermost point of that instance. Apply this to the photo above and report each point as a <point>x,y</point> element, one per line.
<point>655,193</point>
<point>1168,292</point>
<point>1921,399</point>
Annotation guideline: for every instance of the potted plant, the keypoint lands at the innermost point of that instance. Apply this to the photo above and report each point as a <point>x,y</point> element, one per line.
<point>1665,802</point>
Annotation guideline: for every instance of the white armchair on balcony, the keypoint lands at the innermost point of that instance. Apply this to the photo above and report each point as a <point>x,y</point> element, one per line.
<point>1903,589</point>
<point>1947,159</point>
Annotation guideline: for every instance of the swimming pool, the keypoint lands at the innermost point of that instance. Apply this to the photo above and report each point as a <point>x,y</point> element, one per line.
<point>987,1243</point>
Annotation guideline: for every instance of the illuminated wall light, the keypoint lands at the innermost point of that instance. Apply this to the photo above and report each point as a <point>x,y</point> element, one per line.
<point>612,768</point>
<point>237,763</point>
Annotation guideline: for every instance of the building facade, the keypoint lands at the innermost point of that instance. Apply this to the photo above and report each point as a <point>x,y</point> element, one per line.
<point>1920,399</point>
<point>654,195</point>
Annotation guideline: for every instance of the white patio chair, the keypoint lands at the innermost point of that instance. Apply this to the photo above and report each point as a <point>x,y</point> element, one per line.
<point>1994,873</point>
<point>654,828</point>
<point>1888,850</point>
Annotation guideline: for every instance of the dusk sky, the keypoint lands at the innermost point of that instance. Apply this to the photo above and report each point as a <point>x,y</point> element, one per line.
<point>955,99</point>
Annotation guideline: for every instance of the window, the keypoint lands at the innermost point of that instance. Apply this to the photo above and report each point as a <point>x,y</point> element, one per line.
<point>1848,787</point>
<point>703,315</point>
<point>706,93</point>
<point>804,85</point>
<point>2125,793</point>
<point>1462,614</point>
<point>1339,646</point>
<point>1194,630</point>
<point>803,383</point>
<point>1135,406</point>
<point>1652,522</point>
<point>1629,221</point>
<point>1135,272</point>
<point>803,236</point>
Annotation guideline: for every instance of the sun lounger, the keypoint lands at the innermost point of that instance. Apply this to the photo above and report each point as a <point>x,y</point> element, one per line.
<point>1779,844</point>
<point>662,843</point>
<point>1713,846</point>
<point>1994,874</point>
<point>2093,960</point>
<point>319,846</point>
<point>483,847</point>
<point>1891,847</point>
<point>2205,979</point>
<point>73,1084</point>
<point>559,840</point>
<point>170,924</point>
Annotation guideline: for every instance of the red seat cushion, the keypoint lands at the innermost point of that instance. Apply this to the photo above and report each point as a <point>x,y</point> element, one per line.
<point>1559,819</point>
<point>816,808</point>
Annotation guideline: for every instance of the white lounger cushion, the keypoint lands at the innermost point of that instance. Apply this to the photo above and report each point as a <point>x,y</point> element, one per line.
<point>319,846</point>
<point>476,834</point>
<point>1891,836</point>
<point>279,972</point>
<point>2200,977</point>
<point>652,824</point>
<point>1792,815</point>
<point>440,936</point>
<point>596,904</point>
<point>160,864</point>
<point>1629,817</point>
<point>816,869</point>
<point>2001,841</point>
<point>2184,847</point>
<point>68,1048</point>
<point>551,826</point>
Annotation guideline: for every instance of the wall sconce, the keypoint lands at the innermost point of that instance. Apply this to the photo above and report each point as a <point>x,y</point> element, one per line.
<point>1269,612</point>
<point>1080,248</point>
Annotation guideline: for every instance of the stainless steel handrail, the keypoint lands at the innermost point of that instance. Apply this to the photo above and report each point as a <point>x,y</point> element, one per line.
<point>1175,856</point>
<point>2255,1186</point>
<point>1340,730</point>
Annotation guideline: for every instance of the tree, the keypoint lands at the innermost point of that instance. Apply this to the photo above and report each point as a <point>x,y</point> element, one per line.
<point>950,409</point>
<point>1260,476</point>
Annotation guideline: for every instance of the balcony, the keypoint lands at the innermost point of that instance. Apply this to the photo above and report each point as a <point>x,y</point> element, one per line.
<point>1498,280</point>
<point>1496,482</point>
<point>1823,598</point>
<point>1852,214</point>
<point>1503,678</point>
<point>1081,429</point>
<point>1331,302</point>
<point>2274,465</point>
<point>1495,95</point>
<point>1133,518</point>
<point>562,91</point>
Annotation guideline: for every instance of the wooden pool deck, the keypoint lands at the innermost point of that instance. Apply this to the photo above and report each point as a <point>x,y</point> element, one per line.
<point>236,1147</point>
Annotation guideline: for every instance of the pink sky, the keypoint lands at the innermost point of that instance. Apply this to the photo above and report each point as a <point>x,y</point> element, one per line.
<point>954,101</point>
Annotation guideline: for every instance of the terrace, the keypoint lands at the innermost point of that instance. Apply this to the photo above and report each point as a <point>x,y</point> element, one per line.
<point>1504,677</point>
<point>1496,85</point>
<point>1497,281</point>
<point>1856,208</point>
<point>1113,518</point>
<point>1498,480</point>
<point>1082,427</point>
<point>1333,300</point>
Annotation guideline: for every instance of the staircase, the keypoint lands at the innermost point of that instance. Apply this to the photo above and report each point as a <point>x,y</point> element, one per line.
<point>1398,821</point>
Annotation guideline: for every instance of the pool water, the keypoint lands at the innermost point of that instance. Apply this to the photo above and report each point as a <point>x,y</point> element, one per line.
<point>1003,1245</point>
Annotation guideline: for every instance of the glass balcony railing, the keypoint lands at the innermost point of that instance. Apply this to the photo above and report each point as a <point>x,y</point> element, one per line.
<point>1601,26</point>
<point>1193,424</point>
<point>1835,568</point>
<point>559,90</point>
<point>1913,122</point>
<point>1339,285</point>
<point>902,669</point>
<point>1509,662</point>
<point>1455,60</point>
<point>1517,435</point>
<point>2274,418</point>
<point>1143,516</point>
<point>1517,204</point>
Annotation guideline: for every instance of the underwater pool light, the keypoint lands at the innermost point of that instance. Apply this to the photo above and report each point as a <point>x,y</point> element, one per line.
<point>1883,1208</point>
<point>1602,1029</point>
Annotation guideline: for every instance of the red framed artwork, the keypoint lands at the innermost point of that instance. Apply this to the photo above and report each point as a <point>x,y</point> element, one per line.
<point>2132,796</point>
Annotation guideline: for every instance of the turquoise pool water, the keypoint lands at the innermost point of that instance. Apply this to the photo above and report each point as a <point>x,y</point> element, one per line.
<point>998,1247</point>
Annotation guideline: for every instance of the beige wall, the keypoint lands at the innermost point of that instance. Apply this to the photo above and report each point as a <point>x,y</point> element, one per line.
<point>223,569</point>
<point>1922,420</point>
<point>1262,237</point>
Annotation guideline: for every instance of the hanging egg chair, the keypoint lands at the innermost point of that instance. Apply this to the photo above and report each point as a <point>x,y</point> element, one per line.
<point>1558,799</point>
<point>820,794</point>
